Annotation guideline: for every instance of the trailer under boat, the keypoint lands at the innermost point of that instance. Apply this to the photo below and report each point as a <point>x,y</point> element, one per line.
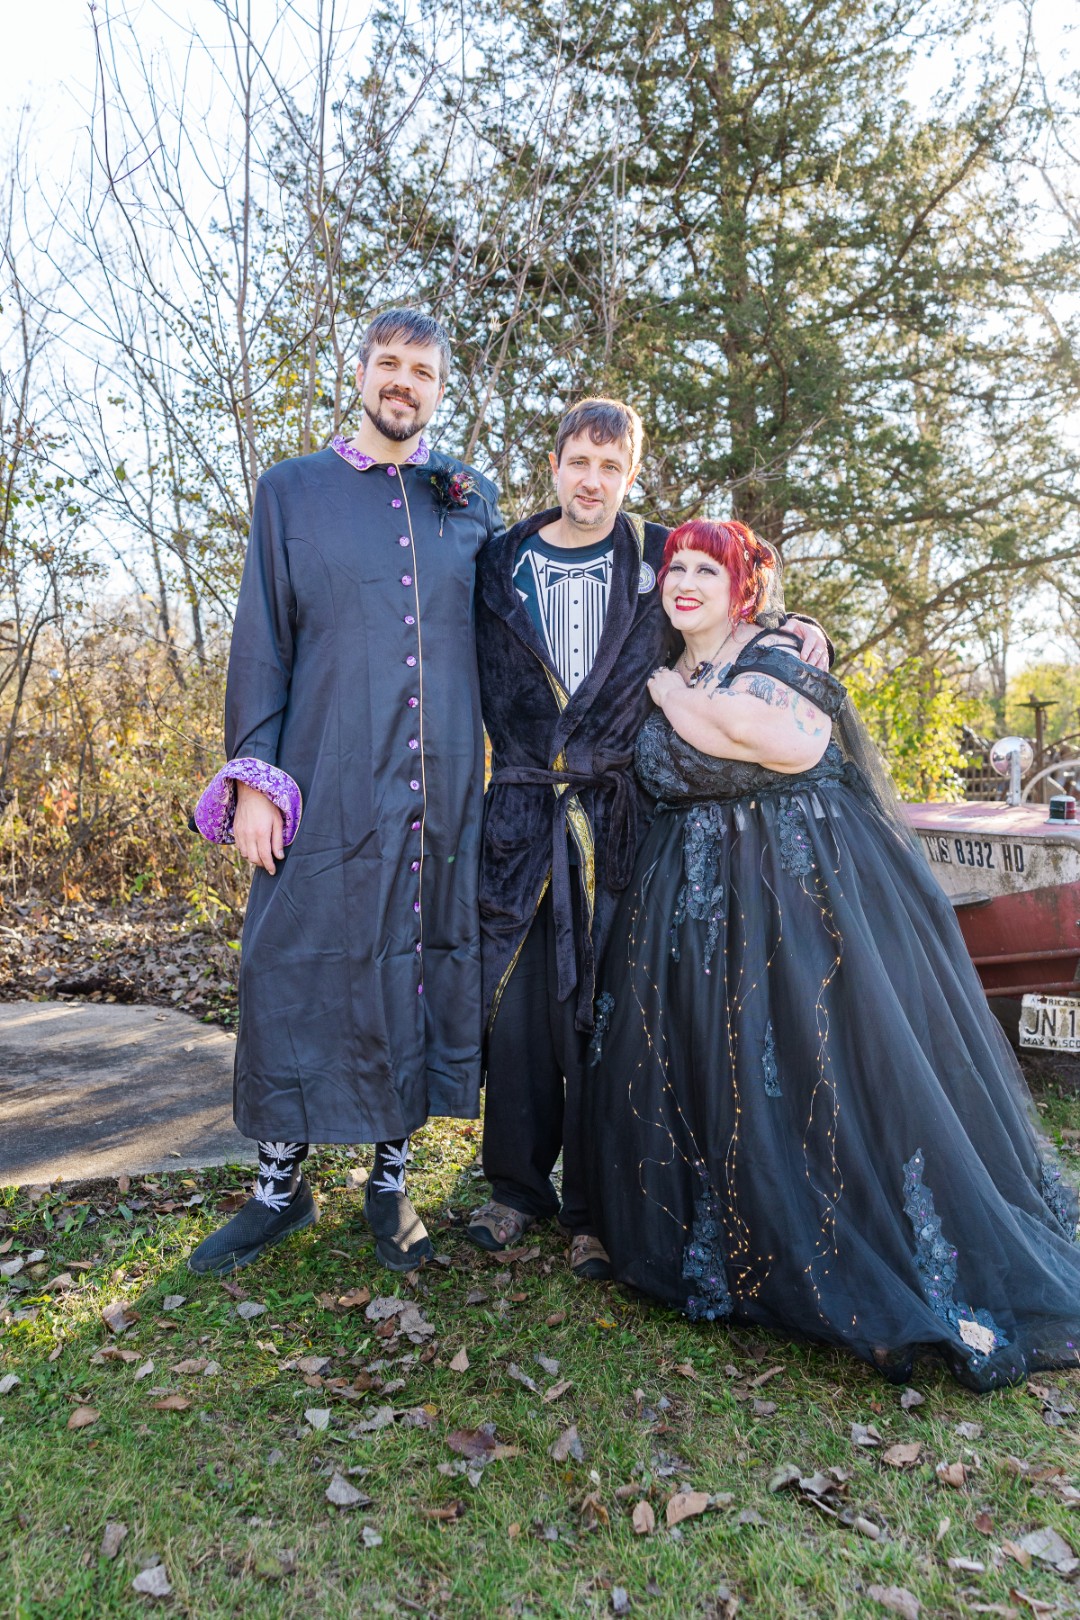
<point>1013,877</point>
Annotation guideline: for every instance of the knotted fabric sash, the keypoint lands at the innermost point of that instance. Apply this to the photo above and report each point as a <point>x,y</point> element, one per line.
<point>609,775</point>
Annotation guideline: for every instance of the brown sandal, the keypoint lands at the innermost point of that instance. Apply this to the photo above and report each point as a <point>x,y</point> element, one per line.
<point>496,1226</point>
<point>589,1260</point>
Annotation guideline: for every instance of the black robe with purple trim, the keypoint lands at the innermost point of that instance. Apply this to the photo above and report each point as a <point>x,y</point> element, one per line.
<point>353,668</point>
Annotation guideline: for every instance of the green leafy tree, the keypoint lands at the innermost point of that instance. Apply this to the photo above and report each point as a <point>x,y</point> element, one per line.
<point>916,718</point>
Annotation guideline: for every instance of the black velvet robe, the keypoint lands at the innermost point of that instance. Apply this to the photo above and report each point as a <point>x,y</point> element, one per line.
<point>353,668</point>
<point>542,740</point>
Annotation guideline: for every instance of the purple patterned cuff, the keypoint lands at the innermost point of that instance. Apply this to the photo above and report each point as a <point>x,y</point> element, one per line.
<point>217,804</point>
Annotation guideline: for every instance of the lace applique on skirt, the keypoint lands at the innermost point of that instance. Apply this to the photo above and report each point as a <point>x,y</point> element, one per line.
<point>1059,1198</point>
<point>796,853</point>
<point>701,896</point>
<point>768,1063</point>
<point>703,1259</point>
<point>605,1006</point>
<point>935,1259</point>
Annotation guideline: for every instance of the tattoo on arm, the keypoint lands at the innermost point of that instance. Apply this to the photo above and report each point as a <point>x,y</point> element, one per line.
<point>769,691</point>
<point>808,719</point>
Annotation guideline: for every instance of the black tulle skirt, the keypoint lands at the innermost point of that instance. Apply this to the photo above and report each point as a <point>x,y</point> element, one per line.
<point>801,1112</point>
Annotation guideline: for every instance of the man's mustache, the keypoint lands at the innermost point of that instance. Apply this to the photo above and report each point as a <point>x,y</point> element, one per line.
<point>396,393</point>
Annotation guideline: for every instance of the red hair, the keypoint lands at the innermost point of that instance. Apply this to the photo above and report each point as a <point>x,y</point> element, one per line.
<point>748,560</point>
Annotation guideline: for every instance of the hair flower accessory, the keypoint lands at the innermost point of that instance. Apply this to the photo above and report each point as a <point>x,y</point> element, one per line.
<point>452,490</point>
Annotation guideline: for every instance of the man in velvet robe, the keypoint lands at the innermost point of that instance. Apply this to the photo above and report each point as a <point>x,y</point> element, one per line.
<point>569,628</point>
<point>353,696</point>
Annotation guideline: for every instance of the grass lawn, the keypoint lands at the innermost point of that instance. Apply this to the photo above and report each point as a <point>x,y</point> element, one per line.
<point>213,1434</point>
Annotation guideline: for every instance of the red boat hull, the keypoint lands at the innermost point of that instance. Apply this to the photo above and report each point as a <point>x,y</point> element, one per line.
<point>1014,879</point>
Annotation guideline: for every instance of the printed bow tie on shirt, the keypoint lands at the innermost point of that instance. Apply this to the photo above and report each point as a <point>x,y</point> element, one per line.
<point>553,574</point>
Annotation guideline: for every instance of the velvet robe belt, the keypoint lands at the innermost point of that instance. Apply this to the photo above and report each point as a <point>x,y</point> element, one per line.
<point>614,777</point>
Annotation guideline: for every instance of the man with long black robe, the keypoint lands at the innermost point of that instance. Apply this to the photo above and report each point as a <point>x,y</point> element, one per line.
<point>353,728</point>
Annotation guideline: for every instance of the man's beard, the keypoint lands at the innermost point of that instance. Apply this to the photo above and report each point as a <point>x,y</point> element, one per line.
<point>396,431</point>
<point>590,520</point>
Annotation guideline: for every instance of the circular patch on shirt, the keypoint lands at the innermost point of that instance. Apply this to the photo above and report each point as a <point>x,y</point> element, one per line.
<point>646,579</point>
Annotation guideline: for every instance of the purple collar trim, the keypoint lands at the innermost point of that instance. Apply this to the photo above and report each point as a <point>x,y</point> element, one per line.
<point>341,446</point>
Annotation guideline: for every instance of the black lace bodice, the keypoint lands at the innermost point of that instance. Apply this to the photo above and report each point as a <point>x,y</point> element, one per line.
<point>673,770</point>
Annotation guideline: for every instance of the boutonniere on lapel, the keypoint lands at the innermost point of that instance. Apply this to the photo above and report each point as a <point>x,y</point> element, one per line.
<point>452,490</point>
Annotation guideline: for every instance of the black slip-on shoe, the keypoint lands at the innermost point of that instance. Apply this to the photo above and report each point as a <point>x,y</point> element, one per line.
<point>401,1239</point>
<point>252,1229</point>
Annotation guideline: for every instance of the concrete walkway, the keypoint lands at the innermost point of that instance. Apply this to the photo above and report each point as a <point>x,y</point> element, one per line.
<point>90,1090</point>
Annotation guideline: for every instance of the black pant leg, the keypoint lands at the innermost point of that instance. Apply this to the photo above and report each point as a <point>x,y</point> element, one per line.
<point>523,1105</point>
<point>570,1048</point>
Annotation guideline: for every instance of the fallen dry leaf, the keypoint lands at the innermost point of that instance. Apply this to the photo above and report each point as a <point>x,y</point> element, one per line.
<point>82,1417</point>
<point>340,1494</point>
<point>318,1417</point>
<point>763,1378</point>
<point>153,1582</point>
<point>9,1382</point>
<point>519,1377</point>
<point>452,1510</point>
<point>897,1599</point>
<point>113,1352</point>
<point>193,1364</point>
<point>112,1537</point>
<point>415,1325</point>
<point>520,1257</point>
<point>568,1445</point>
<point>952,1474</point>
<point>556,1390</point>
<point>248,1310</point>
<point>118,1317</point>
<point>593,1512</point>
<point>144,1371</point>
<point>864,1434</point>
<point>555,1319</point>
<point>1049,1548</point>
<point>171,1403</point>
<point>686,1505</point>
<point>911,1398</point>
<point>460,1362</point>
<point>1036,1605</point>
<point>686,1370</point>
<point>383,1308</point>
<point>984,1523</point>
<point>643,1519</point>
<point>313,1365</point>
<point>381,1418</point>
<point>479,1444</point>
<point>968,1566</point>
<point>354,1299</point>
<point>903,1455</point>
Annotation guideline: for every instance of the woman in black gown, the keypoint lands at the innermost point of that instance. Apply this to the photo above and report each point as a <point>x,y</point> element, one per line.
<point>802,1113</point>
